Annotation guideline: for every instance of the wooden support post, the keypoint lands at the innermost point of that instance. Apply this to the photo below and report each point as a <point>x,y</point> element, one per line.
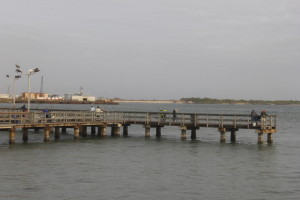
<point>147,130</point>
<point>81,130</point>
<point>25,134</point>
<point>93,130</point>
<point>63,129</point>
<point>260,138</point>
<point>76,132</point>
<point>158,131</point>
<point>84,131</point>
<point>12,135</point>
<point>233,136</point>
<point>115,130</point>
<point>269,138</point>
<point>57,135</point>
<point>101,130</point>
<point>183,132</point>
<point>47,134</point>
<point>193,133</point>
<point>260,133</point>
<point>222,135</point>
<point>125,130</point>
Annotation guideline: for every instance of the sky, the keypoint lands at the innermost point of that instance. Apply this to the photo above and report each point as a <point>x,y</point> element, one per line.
<point>158,49</point>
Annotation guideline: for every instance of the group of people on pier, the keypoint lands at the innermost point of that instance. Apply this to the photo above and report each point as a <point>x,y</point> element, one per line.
<point>256,118</point>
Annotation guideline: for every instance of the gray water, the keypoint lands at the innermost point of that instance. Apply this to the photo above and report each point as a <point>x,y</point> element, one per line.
<point>167,168</point>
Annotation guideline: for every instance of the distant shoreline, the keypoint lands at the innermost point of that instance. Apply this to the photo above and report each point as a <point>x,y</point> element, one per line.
<point>235,102</point>
<point>181,101</point>
<point>149,101</point>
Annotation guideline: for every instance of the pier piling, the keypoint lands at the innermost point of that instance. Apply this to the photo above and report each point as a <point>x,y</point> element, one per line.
<point>76,132</point>
<point>115,130</point>
<point>269,138</point>
<point>233,135</point>
<point>47,134</point>
<point>25,134</point>
<point>222,135</point>
<point>193,133</point>
<point>183,132</point>
<point>260,138</point>
<point>12,135</point>
<point>125,130</point>
<point>158,131</point>
<point>63,129</point>
<point>147,130</point>
<point>93,130</point>
<point>56,133</point>
<point>102,131</point>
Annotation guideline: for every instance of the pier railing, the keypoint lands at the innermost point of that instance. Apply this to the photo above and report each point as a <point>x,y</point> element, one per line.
<point>145,118</point>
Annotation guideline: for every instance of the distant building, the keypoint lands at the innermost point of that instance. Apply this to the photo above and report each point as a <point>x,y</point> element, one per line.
<point>33,95</point>
<point>4,96</point>
<point>79,97</point>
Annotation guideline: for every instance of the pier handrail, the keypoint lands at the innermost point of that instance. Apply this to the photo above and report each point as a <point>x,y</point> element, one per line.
<point>132,117</point>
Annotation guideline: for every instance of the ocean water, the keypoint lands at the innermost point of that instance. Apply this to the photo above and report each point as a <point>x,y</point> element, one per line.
<point>137,168</point>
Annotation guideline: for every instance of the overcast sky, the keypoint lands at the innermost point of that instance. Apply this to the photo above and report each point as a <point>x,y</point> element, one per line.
<point>154,49</point>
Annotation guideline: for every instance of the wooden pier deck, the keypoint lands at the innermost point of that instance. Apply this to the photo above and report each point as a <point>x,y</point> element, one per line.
<point>81,120</point>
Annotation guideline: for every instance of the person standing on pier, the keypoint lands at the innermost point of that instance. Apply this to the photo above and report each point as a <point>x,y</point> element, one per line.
<point>98,111</point>
<point>93,109</point>
<point>174,115</point>
<point>253,116</point>
<point>263,116</point>
<point>23,108</point>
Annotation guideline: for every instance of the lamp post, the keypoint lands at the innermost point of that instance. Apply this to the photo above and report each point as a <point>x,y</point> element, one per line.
<point>14,89</point>
<point>8,87</point>
<point>30,72</point>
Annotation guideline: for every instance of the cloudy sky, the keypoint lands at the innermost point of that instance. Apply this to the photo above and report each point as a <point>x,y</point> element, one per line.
<point>158,49</point>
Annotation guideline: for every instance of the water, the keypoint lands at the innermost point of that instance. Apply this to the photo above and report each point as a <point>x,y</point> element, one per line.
<point>167,168</point>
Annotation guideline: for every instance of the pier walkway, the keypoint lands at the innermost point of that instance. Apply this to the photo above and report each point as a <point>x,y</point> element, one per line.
<point>79,121</point>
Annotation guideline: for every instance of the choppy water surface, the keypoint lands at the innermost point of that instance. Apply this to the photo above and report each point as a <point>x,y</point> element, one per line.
<point>167,168</point>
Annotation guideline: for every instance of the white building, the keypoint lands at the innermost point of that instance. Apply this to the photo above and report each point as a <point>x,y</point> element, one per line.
<point>4,96</point>
<point>78,97</point>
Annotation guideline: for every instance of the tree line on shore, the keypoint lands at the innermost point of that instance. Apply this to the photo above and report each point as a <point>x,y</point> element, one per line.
<point>199,100</point>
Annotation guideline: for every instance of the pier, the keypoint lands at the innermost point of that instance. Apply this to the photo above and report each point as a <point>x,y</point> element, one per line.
<point>119,122</point>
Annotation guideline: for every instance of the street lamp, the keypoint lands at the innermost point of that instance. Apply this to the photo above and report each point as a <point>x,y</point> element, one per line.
<point>8,87</point>
<point>14,95</point>
<point>30,72</point>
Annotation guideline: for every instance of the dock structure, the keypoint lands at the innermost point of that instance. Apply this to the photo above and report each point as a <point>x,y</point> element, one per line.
<point>119,122</point>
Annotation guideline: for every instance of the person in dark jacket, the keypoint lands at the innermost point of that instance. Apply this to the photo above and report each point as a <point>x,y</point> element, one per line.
<point>254,116</point>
